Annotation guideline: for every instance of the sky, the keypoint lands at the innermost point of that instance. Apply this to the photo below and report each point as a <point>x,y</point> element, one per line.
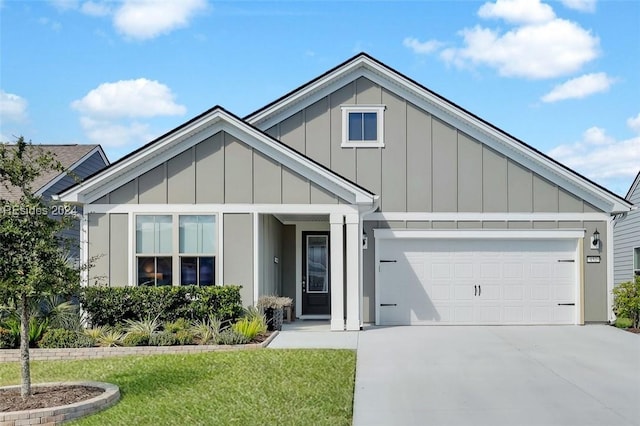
<point>563,76</point>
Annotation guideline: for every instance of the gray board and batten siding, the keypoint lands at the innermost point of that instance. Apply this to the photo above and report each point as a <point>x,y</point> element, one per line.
<point>218,170</point>
<point>626,237</point>
<point>427,165</point>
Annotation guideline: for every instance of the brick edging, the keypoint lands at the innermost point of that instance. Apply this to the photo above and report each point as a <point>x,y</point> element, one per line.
<point>37,354</point>
<point>62,413</point>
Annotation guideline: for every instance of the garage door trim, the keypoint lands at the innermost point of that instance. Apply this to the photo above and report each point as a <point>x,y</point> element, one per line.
<point>504,234</point>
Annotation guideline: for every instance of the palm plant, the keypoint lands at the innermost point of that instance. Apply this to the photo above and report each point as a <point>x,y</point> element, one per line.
<point>206,331</point>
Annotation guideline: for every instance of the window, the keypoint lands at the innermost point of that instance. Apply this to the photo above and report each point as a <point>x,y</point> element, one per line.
<point>197,248</point>
<point>636,261</point>
<point>156,255</point>
<point>362,126</point>
<point>154,243</point>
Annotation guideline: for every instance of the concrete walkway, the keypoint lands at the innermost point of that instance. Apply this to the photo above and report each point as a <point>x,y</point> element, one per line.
<point>562,375</point>
<point>313,335</point>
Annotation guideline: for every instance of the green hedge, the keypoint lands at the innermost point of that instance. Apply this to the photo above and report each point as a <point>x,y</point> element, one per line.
<point>113,305</point>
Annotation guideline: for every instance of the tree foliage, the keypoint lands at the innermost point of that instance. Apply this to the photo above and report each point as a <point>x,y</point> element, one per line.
<point>33,254</point>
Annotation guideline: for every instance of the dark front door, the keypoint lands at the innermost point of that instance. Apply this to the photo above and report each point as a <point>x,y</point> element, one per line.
<point>316,285</point>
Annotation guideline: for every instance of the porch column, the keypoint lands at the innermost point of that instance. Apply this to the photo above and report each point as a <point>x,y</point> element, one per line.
<point>353,270</point>
<point>337,271</point>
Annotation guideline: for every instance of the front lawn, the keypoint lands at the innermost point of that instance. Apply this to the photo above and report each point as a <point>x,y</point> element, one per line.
<point>241,387</point>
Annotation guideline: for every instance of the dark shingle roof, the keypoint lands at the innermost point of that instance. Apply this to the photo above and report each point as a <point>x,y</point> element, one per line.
<point>67,155</point>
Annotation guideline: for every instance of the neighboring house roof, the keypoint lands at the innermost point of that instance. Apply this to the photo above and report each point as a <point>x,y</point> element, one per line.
<point>634,186</point>
<point>363,65</point>
<point>69,156</point>
<point>196,130</point>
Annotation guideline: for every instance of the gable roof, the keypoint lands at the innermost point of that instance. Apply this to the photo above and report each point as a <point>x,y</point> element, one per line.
<point>198,129</point>
<point>635,185</point>
<point>70,156</point>
<point>364,65</point>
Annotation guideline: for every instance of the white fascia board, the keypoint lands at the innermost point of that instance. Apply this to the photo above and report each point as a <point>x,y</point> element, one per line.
<point>198,131</point>
<point>141,162</point>
<point>478,234</point>
<point>311,209</point>
<point>476,128</point>
<point>486,217</point>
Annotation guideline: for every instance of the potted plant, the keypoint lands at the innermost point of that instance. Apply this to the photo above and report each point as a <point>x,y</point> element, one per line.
<point>273,308</point>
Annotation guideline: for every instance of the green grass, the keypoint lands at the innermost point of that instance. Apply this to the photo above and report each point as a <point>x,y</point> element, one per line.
<point>255,387</point>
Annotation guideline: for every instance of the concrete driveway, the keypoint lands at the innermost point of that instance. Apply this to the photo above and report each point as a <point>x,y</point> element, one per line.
<point>556,375</point>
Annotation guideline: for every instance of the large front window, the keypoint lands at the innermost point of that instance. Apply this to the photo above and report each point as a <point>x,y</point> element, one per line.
<point>162,248</point>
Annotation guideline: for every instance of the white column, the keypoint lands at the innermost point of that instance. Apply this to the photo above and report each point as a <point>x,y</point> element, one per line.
<point>354,240</point>
<point>337,271</point>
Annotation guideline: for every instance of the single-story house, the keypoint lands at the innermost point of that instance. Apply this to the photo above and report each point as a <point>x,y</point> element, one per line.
<point>78,161</point>
<point>365,197</point>
<point>626,238</point>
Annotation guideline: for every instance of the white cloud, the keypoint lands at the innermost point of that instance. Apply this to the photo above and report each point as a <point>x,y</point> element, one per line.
<point>112,134</point>
<point>12,107</point>
<point>146,19</point>
<point>602,158</point>
<point>110,113</point>
<point>580,87</point>
<point>129,98</point>
<point>93,8</point>
<point>634,123</point>
<point>547,50</point>
<point>581,5</point>
<point>422,47</point>
<point>518,11</point>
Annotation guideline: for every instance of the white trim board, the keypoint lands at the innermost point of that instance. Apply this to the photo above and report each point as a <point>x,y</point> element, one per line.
<point>485,217</point>
<point>381,234</point>
<point>312,209</point>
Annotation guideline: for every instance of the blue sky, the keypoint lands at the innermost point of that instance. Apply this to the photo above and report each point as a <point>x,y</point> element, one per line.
<point>563,76</point>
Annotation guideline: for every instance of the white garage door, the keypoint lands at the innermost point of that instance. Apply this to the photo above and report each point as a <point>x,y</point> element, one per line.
<point>475,281</point>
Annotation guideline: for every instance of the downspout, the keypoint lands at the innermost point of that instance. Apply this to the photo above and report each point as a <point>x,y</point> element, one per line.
<point>361,216</point>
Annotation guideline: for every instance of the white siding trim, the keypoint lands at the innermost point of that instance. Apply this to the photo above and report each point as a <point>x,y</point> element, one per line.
<point>354,245</point>
<point>610,271</point>
<point>500,217</point>
<point>220,251</point>
<point>479,234</point>
<point>84,250</point>
<point>257,229</point>
<point>224,208</point>
<point>131,251</point>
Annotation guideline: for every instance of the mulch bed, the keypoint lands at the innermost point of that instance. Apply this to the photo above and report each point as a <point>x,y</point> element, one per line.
<point>634,330</point>
<point>46,397</point>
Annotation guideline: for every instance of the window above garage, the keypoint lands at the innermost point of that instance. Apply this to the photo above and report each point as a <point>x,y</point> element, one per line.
<point>363,126</point>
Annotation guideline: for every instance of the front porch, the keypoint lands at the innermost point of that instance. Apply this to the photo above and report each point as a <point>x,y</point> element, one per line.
<point>315,259</point>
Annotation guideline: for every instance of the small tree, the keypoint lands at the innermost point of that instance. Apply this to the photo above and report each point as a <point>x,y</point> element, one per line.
<point>626,301</point>
<point>33,255</point>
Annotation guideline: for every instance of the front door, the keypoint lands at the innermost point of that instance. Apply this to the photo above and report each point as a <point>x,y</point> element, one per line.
<point>316,286</point>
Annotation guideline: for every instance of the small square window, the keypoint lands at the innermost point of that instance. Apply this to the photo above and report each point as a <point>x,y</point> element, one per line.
<point>362,126</point>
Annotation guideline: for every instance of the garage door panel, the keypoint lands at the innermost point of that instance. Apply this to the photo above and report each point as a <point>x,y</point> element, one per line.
<point>432,281</point>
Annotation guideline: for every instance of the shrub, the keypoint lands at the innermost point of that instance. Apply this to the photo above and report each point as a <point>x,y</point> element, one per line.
<point>250,328</point>
<point>8,339</point>
<point>206,331</point>
<point>115,305</point>
<point>626,301</point>
<point>623,322</point>
<point>231,337</point>
<point>63,338</point>
<point>110,337</point>
<point>163,338</point>
<point>176,326</point>
<point>184,337</point>
<point>135,339</point>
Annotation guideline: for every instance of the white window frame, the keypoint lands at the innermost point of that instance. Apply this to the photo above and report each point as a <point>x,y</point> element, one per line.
<point>175,254</point>
<point>636,267</point>
<point>348,109</point>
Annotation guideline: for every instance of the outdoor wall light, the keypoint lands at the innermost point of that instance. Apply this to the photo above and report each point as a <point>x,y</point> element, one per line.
<point>365,240</point>
<point>595,240</point>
